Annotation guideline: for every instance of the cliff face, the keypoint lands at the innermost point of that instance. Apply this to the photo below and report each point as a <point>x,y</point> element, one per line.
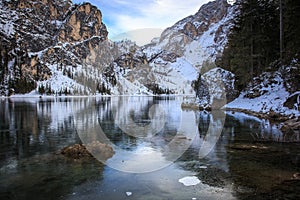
<point>35,35</point>
<point>84,22</point>
<point>195,25</point>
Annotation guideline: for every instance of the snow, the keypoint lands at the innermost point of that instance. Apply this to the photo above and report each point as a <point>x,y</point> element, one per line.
<point>7,19</point>
<point>7,28</point>
<point>206,48</point>
<point>185,69</point>
<point>125,87</point>
<point>60,82</point>
<point>189,181</point>
<point>243,116</point>
<point>272,100</point>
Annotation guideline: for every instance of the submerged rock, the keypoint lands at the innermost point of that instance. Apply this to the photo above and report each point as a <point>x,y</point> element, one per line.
<point>76,151</point>
<point>99,150</point>
<point>95,149</point>
<point>247,147</point>
<point>291,129</point>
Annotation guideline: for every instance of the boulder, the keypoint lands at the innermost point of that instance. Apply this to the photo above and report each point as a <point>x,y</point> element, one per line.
<point>76,151</point>
<point>95,149</point>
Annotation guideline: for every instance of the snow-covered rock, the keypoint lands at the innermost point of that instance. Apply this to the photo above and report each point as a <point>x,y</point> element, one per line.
<point>266,94</point>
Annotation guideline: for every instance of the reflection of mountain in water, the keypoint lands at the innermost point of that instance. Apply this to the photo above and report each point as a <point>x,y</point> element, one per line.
<point>37,125</point>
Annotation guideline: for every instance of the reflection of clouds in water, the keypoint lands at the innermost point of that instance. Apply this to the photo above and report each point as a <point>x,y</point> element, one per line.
<point>143,159</point>
<point>147,155</point>
<point>157,144</point>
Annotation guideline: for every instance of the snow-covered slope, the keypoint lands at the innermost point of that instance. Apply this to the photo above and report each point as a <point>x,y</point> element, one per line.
<point>266,94</point>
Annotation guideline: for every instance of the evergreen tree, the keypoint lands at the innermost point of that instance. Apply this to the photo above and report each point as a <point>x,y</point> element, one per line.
<point>291,14</point>
<point>254,41</point>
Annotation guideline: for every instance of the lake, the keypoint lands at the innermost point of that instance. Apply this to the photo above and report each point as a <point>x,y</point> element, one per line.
<point>160,151</point>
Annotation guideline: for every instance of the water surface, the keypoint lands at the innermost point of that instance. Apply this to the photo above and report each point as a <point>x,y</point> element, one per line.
<point>155,144</point>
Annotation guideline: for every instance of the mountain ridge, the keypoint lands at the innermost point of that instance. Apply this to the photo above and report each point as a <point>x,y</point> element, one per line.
<point>72,49</point>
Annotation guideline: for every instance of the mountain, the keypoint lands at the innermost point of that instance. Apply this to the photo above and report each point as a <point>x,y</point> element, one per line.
<point>57,47</point>
<point>60,48</point>
<point>171,63</point>
<point>44,42</point>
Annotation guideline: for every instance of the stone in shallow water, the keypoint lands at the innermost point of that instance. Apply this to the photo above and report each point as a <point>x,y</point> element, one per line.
<point>189,181</point>
<point>76,151</point>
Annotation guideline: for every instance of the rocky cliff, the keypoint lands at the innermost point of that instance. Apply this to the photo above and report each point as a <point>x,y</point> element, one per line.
<point>38,36</point>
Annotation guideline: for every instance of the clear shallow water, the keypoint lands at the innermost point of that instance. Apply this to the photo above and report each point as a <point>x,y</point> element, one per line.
<point>151,152</point>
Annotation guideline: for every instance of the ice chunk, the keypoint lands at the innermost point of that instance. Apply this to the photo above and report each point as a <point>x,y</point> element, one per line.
<point>128,193</point>
<point>189,181</point>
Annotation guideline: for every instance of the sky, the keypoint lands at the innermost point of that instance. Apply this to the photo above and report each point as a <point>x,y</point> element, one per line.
<point>142,19</point>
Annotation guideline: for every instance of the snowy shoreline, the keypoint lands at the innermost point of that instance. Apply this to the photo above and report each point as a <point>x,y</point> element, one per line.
<point>275,116</point>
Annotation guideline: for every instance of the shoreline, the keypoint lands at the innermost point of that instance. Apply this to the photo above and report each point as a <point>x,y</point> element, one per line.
<point>87,96</point>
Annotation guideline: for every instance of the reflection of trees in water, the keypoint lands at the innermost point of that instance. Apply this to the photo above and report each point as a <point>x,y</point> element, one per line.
<point>29,130</point>
<point>105,109</point>
<point>30,126</point>
<point>258,161</point>
<point>258,130</point>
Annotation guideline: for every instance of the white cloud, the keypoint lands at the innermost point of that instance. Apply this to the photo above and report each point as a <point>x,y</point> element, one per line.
<point>157,14</point>
<point>140,36</point>
<point>128,15</point>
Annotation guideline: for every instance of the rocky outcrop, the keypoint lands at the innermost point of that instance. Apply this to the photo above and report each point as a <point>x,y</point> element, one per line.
<point>34,24</point>
<point>213,12</point>
<point>212,21</point>
<point>84,22</point>
<point>216,88</point>
<point>291,129</point>
<point>38,36</point>
<point>76,151</point>
<point>293,101</point>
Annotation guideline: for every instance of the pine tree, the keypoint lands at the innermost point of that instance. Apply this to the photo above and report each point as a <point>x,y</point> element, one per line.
<point>291,30</point>
<point>254,41</point>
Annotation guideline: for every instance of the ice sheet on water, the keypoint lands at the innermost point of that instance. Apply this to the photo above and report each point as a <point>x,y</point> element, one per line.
<point>189,181</point>
<point>128,193</point>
